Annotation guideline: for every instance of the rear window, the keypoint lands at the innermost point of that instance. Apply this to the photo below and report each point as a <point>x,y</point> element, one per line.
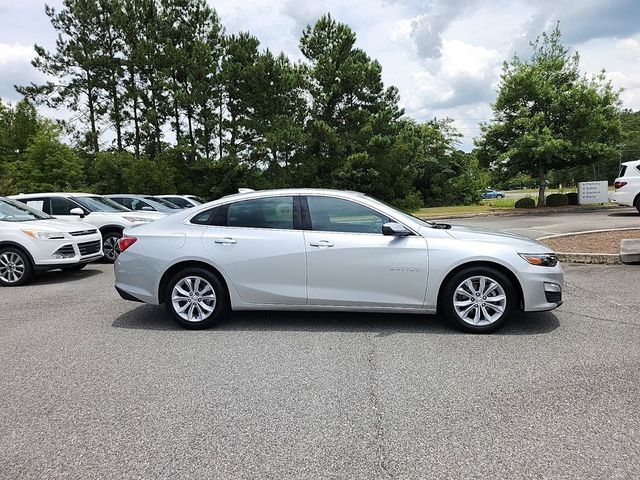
<point>623,170</point>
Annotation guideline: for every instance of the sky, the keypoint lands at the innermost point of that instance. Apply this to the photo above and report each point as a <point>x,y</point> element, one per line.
<point>445,56</point>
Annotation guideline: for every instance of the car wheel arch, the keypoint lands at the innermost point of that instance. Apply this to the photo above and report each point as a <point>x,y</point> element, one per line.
<point>19,247</point>
<point>111,228</point>
<point>486,264</point>
<point>175,268</point>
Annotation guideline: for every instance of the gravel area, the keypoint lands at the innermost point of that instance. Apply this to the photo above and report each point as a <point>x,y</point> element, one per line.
<point>603,242</point>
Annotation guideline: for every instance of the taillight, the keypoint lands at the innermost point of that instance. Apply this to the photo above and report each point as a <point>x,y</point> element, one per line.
<point>126,242</point>
<point>618,185</point>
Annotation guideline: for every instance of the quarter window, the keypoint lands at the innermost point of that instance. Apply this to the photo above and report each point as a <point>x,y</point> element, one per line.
<point>337,215</point>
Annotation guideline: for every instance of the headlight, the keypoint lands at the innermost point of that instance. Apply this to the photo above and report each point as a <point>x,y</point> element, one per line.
<point>44,235</point>
<point>137,219</point>
<point>541,259</point>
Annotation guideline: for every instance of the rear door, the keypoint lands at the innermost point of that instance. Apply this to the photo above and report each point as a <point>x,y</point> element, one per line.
<point>260,245</point>
<point>351,263</point>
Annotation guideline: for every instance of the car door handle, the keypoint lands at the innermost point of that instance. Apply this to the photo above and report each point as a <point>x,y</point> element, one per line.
<point>225,241</point>
<point>322,244</point>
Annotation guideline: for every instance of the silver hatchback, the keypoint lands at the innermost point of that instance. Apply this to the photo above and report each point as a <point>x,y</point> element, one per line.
<point>313,249</point>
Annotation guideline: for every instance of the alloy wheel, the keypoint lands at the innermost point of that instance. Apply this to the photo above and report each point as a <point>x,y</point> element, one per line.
<point>193,299</point>
<point>479,300</point>
<point>12,267</point>
<point>110,248</point>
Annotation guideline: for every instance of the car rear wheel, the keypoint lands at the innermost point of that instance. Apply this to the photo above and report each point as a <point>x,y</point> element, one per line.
<point>195,299</point>
<point>478,299</point>
<point>15,267</point>
<point>637,204</point>
<point>110,246</point>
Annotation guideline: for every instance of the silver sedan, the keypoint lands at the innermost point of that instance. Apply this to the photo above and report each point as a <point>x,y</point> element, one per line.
<point>313,249</point>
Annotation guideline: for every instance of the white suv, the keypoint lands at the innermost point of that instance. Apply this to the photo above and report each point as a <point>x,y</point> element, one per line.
<point>32,241</point>
<point>110,217</point>
<point>627,185</point>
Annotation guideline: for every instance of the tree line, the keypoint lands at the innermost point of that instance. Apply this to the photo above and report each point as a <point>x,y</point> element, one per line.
<point>164,100</point>
<point>167,101</point>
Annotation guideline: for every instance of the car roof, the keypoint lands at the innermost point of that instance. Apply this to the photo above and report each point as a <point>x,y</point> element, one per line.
<point>631,163</point>
<point>55,194</point>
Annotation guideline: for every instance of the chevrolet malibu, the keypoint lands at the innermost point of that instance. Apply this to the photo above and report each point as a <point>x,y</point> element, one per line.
<point>313,249</point>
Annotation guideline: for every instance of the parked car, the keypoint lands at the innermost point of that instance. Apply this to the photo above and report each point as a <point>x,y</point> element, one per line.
<point>314,249</point>
<point>145,203</point>
<point>110,217</point>
<point>627,185</point>
<point>32,241</point>
<point>183,201</point>
<point>491,193</point>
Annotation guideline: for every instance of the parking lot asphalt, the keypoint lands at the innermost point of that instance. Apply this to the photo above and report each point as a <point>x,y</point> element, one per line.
<point>96,387</point>
<point>536,226</point>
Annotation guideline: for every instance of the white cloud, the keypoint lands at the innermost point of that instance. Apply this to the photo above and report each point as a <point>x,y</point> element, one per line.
<point>15,69</point>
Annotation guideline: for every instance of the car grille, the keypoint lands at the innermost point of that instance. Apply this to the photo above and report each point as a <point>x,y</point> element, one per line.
<point>88,248</point>
<point>553,297</point>
<point>65,252</point>
<point>80,233</point>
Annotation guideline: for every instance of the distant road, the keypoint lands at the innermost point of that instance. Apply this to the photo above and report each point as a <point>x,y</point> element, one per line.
<point>536,226</point>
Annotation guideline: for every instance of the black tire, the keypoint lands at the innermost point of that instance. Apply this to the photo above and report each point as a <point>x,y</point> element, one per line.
<point>500,196</point>
<point>110,245</point>
<point>637,204</point>
<point>220,305</point>
<point>74,268</point>
<point>15,267</point>
<point>449,296</point>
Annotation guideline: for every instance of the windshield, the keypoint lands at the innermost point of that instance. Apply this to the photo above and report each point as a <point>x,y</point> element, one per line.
<point>12,211</point>
<point>100,204</point>
<point>162,201</point>
<point>181,202</point>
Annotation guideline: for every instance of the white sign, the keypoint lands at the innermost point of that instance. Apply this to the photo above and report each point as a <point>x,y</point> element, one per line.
<point>593,192</point>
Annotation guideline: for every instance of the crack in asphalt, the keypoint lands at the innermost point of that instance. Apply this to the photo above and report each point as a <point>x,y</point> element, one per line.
<point>375,407</point>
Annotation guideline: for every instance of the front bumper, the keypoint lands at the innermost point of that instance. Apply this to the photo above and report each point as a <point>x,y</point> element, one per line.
<point>542,288</point>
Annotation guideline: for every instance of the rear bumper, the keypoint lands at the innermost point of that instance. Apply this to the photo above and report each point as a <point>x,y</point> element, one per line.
<point>623,198</point>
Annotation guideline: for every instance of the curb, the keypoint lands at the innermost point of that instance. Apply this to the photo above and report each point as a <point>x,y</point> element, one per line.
<point>583,232</point>
<point>590,258</point>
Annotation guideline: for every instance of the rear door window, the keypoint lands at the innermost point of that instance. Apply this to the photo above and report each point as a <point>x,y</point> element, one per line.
<point>274,212</point>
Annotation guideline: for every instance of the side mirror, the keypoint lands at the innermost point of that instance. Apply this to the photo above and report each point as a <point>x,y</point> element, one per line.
<point>147,208</point>
<point>77,211</point>
<point>395,230</point>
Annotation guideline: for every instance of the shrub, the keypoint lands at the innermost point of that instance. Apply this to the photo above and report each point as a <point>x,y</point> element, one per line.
<point>526,202</point>
<point>573,198</point>
<point>557,200</point>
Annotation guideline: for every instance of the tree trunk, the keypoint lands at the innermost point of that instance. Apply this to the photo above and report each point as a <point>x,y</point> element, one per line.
<point>92,121</point>
<point>541,188</point>
<point>136,121</point>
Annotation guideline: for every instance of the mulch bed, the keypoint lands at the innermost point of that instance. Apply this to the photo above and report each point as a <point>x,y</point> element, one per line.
<point>603,242</point>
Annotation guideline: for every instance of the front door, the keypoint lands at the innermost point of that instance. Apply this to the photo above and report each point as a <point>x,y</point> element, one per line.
<point>351,263</point>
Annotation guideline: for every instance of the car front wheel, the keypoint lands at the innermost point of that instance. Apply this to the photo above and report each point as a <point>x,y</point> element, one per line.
<point>15,267</point>
<point>195,299</point>
<point>478,299</point>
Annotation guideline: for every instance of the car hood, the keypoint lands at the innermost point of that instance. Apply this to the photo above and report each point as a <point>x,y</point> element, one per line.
<point>494,236</point>
<point>56,225</point>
